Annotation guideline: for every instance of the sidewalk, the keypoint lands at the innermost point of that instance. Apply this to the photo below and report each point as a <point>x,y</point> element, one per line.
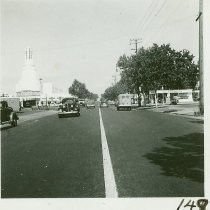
<point>186,110</point>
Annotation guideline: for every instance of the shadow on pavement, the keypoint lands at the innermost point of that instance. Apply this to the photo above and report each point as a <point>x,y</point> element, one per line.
<point>198,121</point>
<point>170,110</point>
<point>183,157</point>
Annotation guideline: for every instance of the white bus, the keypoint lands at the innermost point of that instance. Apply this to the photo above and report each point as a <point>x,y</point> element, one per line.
<point>124,102</point>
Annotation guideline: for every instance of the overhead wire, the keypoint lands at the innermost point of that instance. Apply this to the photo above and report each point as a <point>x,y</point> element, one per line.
<point>171,13</point>
<point>154,16</point>
<point>145,14</point>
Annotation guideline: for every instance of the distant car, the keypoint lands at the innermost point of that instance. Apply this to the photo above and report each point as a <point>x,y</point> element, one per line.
<point>53,104</point>
<point>103,104</point>
<point>90,104</point>
<point>69,106</point>
<point>8,116</point>
<point>111,102</point>
<point>174,101</point>
<point>124,102</point>
<point>82,102</point>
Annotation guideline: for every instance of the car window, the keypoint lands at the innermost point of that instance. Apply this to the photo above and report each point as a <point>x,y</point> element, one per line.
<point>68,100</point>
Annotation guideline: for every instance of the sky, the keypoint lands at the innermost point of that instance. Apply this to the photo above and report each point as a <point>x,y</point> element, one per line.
<point>83,39</point>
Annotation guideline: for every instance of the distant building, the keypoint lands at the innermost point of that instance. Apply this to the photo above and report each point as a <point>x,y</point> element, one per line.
<point>29,82</point>
<point>184,95</point>
<point>52,94</point>
<point>28,87</point>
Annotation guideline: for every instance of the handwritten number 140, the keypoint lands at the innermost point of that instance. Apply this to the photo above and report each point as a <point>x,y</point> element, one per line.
<point>201,204</point>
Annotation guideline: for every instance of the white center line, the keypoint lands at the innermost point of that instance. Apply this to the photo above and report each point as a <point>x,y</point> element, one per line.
<point>110,185</point>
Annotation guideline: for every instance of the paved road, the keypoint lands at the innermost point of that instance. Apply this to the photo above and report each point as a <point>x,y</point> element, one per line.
<point>152,154</point>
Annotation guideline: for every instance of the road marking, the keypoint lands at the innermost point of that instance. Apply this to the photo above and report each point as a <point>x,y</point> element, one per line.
<point>110,185</point>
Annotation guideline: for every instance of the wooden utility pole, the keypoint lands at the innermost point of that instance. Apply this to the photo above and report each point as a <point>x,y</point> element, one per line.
<point>136,42</point>
<point>200,18</point>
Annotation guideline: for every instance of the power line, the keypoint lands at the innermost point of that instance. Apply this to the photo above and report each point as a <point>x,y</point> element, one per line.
<point>157,13</point>
<point>151,6</point>
<point>146,14</point>
<point>171,13</point>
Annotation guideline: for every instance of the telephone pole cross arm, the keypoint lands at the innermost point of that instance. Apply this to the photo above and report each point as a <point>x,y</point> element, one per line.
<point>136,42</point>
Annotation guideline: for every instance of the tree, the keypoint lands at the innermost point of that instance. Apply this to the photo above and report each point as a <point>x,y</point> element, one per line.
<point>158,66</point>
<point>79,89</point>
<point>112,92</point>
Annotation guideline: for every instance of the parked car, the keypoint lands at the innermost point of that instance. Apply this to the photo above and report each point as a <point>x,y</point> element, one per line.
<point>8,116</point>
<point>90,104</point>
<point>174,101</point>
<point>69,106</point>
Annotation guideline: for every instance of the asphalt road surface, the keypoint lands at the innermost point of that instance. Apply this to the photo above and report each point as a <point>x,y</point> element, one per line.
<point>152,155</point>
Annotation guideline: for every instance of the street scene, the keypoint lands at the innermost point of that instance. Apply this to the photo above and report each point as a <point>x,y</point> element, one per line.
<point>102,100</point>
<point>153,153</point>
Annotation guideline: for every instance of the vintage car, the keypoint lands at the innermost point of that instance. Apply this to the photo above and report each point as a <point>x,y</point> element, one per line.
<point>124,102</point>
<point>90,104</point>
<point>103,104</point>
<point>8,116</point>
<point>69,106</point>
<point>174,100</point>
<point>82,102</point>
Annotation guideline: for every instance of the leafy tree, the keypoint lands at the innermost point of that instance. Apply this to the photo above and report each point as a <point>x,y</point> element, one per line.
<point>112,92</point>
<point>159,66</point>
<point>79,89</point>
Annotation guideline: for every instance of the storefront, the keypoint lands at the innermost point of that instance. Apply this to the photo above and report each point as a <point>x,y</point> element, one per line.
<point>165,96</point>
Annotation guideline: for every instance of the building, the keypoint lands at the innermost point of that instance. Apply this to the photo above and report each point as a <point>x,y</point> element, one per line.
<point>28,87</point>
<point>51,94</point>
<point>184,95</point>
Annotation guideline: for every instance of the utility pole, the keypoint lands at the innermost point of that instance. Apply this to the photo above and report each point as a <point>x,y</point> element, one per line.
<point>200,18</point>
<point>135,42</point>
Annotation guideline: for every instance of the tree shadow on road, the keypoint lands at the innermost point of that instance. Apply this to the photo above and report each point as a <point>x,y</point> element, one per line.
<point>182,157</point>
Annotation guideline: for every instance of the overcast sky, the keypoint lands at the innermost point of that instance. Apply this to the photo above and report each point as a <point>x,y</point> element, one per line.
<point>83,39</point>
